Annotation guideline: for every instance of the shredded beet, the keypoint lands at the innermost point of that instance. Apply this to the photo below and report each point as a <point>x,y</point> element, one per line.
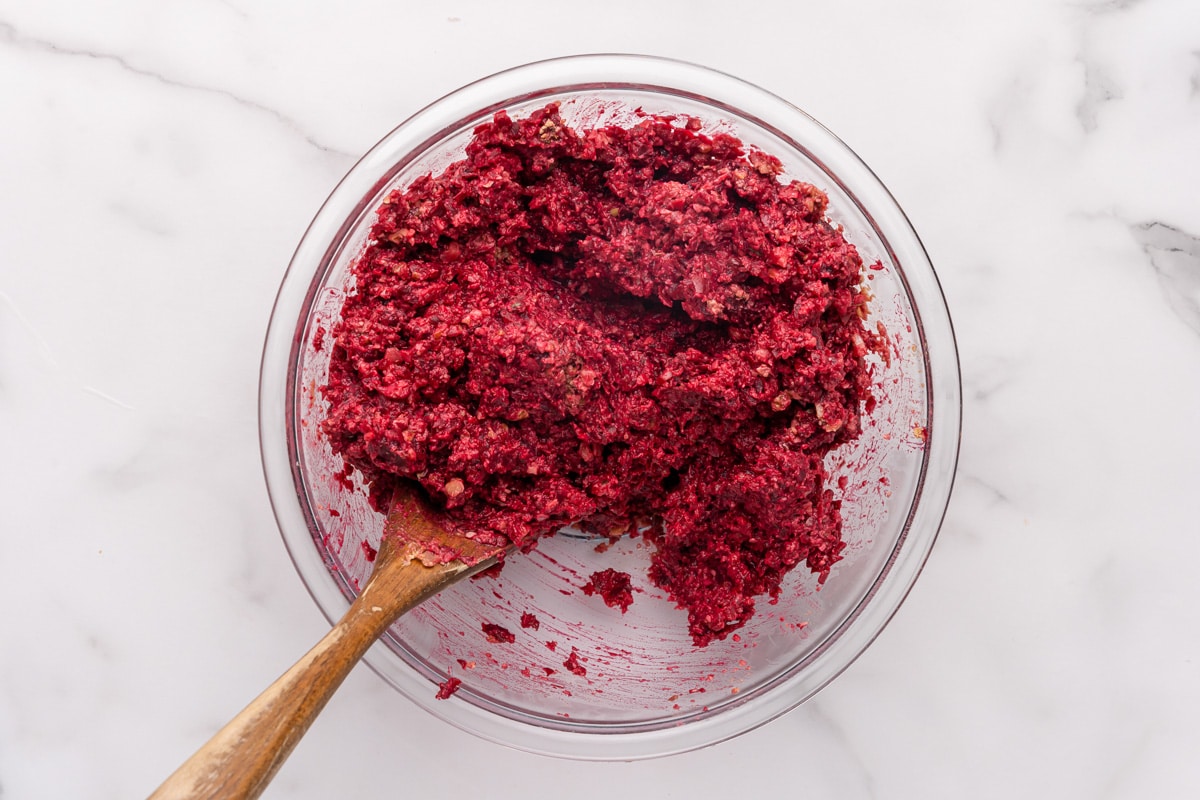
<point>573,665</point>
<point>616,327</point>
<point>613,586</point>
<point>447,688</point>
<point>498,634</point>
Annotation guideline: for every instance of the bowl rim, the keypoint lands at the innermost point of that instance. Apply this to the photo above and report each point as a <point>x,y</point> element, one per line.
<point>357,190</point>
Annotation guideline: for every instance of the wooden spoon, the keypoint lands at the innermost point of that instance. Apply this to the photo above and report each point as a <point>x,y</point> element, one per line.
<point>240,760</point>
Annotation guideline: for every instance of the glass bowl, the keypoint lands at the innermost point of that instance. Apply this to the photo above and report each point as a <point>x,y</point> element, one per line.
<point>647,690</point>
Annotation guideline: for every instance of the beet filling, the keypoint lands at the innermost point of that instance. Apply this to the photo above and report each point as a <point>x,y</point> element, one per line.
<point>616,327</point>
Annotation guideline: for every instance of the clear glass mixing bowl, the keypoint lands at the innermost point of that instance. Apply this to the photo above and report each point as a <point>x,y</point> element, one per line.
<point>647,690</point>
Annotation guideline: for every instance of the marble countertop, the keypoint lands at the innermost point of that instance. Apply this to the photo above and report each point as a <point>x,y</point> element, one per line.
<point>158,164</point>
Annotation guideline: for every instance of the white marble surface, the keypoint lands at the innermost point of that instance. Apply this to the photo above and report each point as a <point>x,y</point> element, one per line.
<point>158,163</point>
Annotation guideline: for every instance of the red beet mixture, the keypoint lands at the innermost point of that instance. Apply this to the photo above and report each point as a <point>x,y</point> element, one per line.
<point>616,327</point>
<point>448,687</point>
<point>498,634</point>
<point>613,586</point>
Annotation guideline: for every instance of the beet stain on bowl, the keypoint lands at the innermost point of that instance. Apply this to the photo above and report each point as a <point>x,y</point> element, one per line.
<point>643,297</point>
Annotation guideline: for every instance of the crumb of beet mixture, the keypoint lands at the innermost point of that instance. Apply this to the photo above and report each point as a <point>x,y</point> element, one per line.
<point>617,327</point>
<point>447,688</point>
<point>613,586</point>
<point>573,665</point>
<point>528,620</point>
<point>498,634</point>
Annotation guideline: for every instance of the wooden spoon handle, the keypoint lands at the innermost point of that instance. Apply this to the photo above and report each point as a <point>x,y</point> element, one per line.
<point>240,760</point>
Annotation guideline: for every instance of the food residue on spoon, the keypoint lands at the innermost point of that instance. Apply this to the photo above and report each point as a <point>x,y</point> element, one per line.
<point>617,327</point>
